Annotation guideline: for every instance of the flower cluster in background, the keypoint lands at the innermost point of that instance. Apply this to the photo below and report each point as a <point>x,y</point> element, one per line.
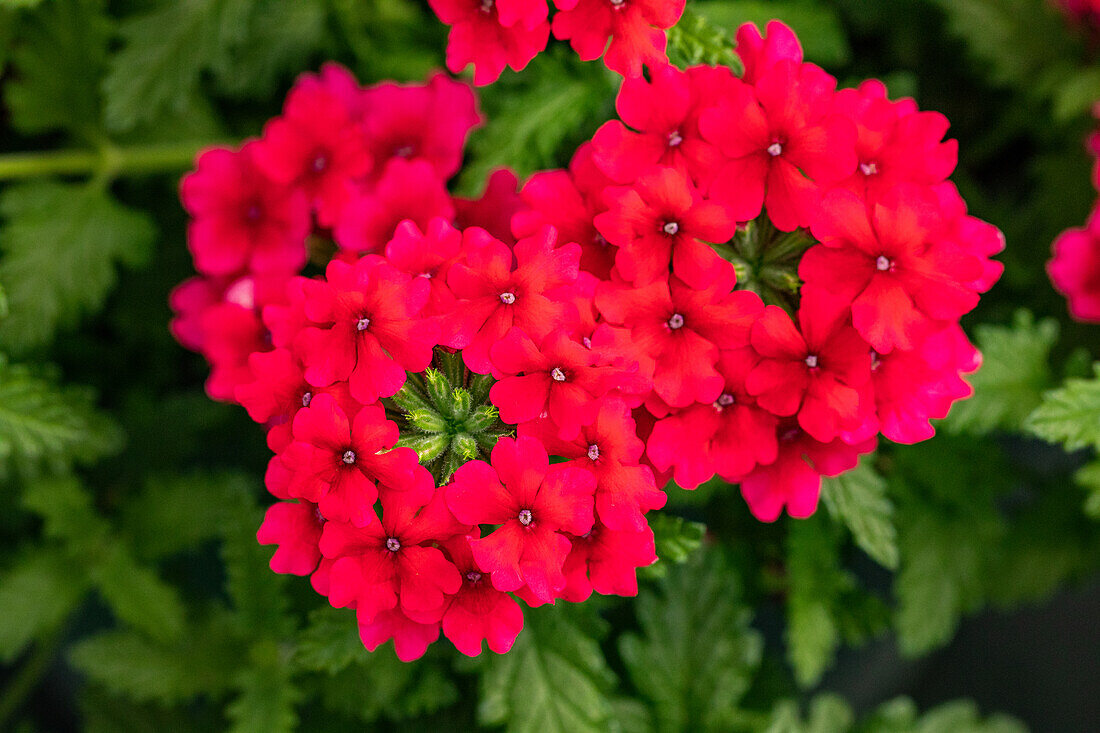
<point>479,400</point>
<point>1075,267</point>
<point>492,34</point>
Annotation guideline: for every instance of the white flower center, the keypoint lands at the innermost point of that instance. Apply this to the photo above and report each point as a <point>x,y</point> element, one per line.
<point>363,324</point>
<point>775,149</point>
<point>882,264</point>
<point>868,169</point>
<point>393,544</point>
<point>507,298</point>
<point>593,452</point>
<point>671,228</point>
<point>557,374</point>
<point>306,399</point>
<point>811,361</point>
<point>674,138</point>
<point>525,517</point>
<point>676,321</point>
<point>349,457</point>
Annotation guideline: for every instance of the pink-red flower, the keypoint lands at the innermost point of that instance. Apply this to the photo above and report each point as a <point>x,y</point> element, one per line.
<point>478,612</point>
<point>490,37</point>
<point>533,504</point>
<point>1075,269</point>
<point>240,218</point>
<point>635,28</point>
<point>663,222</point>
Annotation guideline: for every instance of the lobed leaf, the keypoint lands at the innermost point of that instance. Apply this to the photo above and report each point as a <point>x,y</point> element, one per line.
<point>858,499</point>
<point>1070,414</point>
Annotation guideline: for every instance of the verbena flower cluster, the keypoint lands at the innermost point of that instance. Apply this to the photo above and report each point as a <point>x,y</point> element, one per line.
<point>492,34</point>
<point>1075,267</point>
<point>474,402</point>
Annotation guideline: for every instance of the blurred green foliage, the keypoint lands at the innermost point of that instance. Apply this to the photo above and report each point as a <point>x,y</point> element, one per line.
<point>132,501</point>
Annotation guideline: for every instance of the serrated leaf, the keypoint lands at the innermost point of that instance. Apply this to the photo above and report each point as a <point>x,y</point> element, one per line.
<point>696,655</point>
<point>858,499</point>
<point>135,667</point>
<point>44,427</point>
<point>829,713</point>
<point>60,246</point>
<point>697,39</point>
<point>1070,414</point>
<point>818,26</point>
<point>58,63</point>
<point>35,597</point>
<point>555,679</point>
<point>676,538</point>
<point>258,594</point>
<point>66,508</point>
<point>136,595</point>
<point>379,684</point>
<point>282,35</point>
<point>536,121</point>
<point>1011,380</point>
<point>1089,478</point>
<point>330,642</point>
<point>940,577</point>
<point>174,513</point>
<point>963,716</point>
<point>267,698</point>
<point>816,581</point>
<point>164,52</point>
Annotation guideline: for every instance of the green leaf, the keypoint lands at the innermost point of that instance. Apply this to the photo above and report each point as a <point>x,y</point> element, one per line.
<point>45,427</point>
<point>816,581</point>
<point>676,538</point>
<point>940,576</point>
<point>66,508</point>
<point>268,695</point>
<point>963,716</point>
<point>282,36</point>
<point>60,58</point>
<point>829,713</point>
<point>136,595</point>
<point>164,52</point>
<point>696,39</point>
<point>330,642</point>
<point>258,594</point>
<point>36,595</point>
<point>1089,478</point>
<point>554,679</point>
<point>696,655</point>
<point>1076,96</point>
<point>175,513</point>
<point>858,499</point>
<point>536,120</point>
<point>130,665</point>
<point>818,26</point>
<point>1070,414</point>
<point>60,247</point>
<point>379,684</point>
<point>1011,380</point>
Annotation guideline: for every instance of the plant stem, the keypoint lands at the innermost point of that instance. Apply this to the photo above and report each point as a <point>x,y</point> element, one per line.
<point>106,162</point>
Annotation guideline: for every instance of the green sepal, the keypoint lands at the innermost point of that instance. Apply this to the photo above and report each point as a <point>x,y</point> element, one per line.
<point>483,418</point>
<point>479,387</point>
<point>427,420</point>
<point>409,398</point>
<point>461,403</point>
<point>427,446</point>
<point>438,389</point>
<point>465,446</point>
<point>452,367</point>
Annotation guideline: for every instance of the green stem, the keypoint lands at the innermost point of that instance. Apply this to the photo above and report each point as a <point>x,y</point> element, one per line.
<point>106,162</point>
<point>29,676</point>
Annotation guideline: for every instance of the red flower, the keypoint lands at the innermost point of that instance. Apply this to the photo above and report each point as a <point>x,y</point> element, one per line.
<point>681,330</point>
<point>634,27</point>
<point>815,372</point>
<point>610,449</point>
<point>1075,269</point>
<point>794,479</point>
<point>478,611</point>
<point>410,638</point>
<point>665,113</point>
<point>482,35</point>
<point>895,143</point>
<point>569,201</point>
<point>420,122</point>
<point>663,220</point>
<point>760,53</point>
<point>781,141</point>
<point>559,378</point>
<point>406,191</point>
<point>428,255</point>
<point>494,295</point>
<point>296,528</point>
<point>335,461</point>
<point>534,505</point>
<point>729,436</point>
<point>887,263</point>
<point>369,331</point>
<point>607,561</point>
<point>394,560</point>
<point>493,211</point>
<point>316,146</point>
<point>240,218</point>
